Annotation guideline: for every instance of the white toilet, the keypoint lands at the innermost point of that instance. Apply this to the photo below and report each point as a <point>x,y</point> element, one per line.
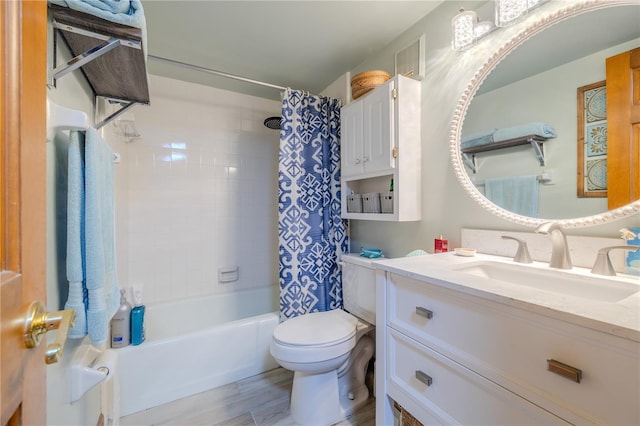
<point>329,351</point>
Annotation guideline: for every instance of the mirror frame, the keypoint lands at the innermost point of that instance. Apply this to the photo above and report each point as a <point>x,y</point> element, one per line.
<point>538,24</point>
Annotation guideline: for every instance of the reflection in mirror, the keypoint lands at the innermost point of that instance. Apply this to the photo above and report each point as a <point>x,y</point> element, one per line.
<point>536,85</point>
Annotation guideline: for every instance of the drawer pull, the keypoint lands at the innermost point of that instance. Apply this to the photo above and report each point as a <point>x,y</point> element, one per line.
<point>424,312</point>
<point>424,377</point>
<point>564,370</point>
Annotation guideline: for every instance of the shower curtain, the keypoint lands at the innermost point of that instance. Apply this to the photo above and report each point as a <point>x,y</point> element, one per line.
<point>311,233</point>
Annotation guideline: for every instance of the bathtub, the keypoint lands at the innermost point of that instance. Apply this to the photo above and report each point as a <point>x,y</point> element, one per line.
<point>195,345</point>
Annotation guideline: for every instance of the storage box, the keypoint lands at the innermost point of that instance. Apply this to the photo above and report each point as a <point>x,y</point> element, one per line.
<point>386,202</point>
<point>371,202</point>
<point>354,203</point>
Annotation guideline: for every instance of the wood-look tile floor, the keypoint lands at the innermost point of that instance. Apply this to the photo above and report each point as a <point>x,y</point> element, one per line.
<point>262,400</point>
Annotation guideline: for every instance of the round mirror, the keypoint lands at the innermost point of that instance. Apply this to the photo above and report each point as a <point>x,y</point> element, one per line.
<point>532,86</point>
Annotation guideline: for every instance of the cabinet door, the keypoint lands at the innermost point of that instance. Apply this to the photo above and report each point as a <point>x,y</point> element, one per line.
<point>378,129</point>
<point>351,148</point>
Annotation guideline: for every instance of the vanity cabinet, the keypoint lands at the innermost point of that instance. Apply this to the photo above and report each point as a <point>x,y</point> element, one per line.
<point>380,144</point>
<point>455,358</point>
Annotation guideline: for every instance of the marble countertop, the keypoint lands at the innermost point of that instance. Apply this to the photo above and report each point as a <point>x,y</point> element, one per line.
<point>619,317</point>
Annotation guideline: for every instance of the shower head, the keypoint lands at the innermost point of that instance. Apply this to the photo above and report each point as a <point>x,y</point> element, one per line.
<point>273,122</point>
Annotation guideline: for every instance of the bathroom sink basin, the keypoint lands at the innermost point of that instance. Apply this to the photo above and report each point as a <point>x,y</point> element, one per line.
<point>557,281</point>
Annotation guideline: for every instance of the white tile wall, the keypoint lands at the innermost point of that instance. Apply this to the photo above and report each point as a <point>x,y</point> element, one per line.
<point>200,191</point>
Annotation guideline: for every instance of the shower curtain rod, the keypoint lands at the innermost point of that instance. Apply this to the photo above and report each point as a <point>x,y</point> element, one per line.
<point>215,72</point>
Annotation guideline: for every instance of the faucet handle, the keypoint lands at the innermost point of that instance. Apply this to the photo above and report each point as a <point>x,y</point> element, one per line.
<point>522,255</point>
<point>603,265</point>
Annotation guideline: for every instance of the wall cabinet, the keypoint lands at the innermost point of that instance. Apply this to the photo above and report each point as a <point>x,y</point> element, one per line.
<point>453,358</point>
<point>380,143</point>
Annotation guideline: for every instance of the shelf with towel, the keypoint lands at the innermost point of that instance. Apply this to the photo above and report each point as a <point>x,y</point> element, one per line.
<point>535,141</point>
<point>110,55</point>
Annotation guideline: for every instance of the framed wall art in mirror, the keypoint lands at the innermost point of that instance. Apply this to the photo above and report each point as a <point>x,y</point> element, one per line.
<point>592,140</point>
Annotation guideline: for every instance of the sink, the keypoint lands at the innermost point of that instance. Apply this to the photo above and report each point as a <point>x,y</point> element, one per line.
<point>561,282</point>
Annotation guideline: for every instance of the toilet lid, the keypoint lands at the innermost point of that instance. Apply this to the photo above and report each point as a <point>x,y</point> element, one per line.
<point>318,328</point>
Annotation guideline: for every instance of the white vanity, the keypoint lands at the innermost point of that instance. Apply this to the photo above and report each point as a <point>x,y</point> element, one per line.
<point>474,340</point>
<point>484,340</point>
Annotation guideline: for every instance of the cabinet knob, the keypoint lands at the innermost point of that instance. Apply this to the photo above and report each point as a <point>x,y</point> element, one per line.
<point>424,312</point>
<point>365,159</point>
<point>357,161</point>
<point>424,377</point>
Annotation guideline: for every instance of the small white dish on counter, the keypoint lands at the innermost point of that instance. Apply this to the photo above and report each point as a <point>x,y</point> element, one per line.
<point>465,251</point>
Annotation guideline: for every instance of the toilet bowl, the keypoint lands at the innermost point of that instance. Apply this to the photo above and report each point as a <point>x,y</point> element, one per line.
<point>329,352</point>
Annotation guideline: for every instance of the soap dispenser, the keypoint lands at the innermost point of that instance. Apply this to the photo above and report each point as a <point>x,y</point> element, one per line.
<point>120,324</point>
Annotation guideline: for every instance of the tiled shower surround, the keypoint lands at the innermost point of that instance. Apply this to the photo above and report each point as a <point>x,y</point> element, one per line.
<point>196,191</point>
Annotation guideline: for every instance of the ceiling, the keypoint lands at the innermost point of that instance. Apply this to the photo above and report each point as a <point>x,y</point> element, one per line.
<point>305,45</point>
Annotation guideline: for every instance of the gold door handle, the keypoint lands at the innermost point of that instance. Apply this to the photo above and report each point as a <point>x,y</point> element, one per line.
<point>39,322</point>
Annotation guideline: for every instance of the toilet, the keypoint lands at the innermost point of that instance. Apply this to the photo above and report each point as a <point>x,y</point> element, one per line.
<point>329,352</point>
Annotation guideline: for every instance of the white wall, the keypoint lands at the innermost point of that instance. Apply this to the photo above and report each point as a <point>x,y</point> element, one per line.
<point>200,192</point>
<point>446,206</point>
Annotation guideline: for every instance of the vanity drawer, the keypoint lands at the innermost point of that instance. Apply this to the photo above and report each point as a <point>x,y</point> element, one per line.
<point>512,347</point>
<point>437,389</point>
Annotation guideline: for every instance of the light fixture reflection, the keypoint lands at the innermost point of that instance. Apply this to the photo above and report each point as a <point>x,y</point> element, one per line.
<point>509,11</point>
<point>463,29</point>
<point>483,28</point>
<point>467,30</point>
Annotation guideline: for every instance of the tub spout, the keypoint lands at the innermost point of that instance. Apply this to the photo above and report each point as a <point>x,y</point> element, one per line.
<point>560,257</point>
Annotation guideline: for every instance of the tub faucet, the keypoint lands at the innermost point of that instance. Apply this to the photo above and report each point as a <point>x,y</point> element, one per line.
<point>560,257</point>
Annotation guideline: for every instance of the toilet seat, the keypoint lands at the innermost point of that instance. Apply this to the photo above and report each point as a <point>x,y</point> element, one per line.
<point>315,337</point>
<point>317,329</point>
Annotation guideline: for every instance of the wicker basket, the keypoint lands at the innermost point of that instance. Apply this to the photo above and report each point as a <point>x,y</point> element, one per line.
<point>366,81</point>
<point>407,419</point>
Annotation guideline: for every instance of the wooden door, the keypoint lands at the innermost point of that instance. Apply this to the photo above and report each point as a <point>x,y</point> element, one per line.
<point>623,122</point>
<point>23,29</point>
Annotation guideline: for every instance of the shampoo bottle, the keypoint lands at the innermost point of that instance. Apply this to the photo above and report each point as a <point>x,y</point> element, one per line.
<point>120,324</point>
<point>137,317</point>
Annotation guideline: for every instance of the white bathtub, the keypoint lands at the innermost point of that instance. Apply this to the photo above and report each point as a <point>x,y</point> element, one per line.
<point>197,344</point>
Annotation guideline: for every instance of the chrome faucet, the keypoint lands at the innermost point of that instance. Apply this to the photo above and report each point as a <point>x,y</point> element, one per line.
<point>522,255</point>
<point>560,257</point>
<point>603,265</point>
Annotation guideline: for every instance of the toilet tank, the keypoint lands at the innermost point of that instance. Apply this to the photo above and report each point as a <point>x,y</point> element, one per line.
<point>359,287</point>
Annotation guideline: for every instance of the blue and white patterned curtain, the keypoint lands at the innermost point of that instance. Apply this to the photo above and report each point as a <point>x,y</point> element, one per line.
<point>311,233</point>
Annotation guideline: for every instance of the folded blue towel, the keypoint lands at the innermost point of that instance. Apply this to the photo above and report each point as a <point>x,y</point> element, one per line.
<point>534,128</point>
<point>125,12</point>
<point>518,194</point>
<point>478,139</point>
<point>101,279</point>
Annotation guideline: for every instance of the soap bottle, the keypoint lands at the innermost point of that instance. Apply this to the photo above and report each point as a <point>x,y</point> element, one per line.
<point>120,324</point>
<point>137,317</point>
<point>440,245</point>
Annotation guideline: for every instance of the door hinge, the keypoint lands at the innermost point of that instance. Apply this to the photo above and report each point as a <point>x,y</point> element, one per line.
<point>395,152</point>
<point>394,93</point>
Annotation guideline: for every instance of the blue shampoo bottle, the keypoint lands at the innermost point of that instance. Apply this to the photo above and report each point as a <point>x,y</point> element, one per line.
<point>137,316</point>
